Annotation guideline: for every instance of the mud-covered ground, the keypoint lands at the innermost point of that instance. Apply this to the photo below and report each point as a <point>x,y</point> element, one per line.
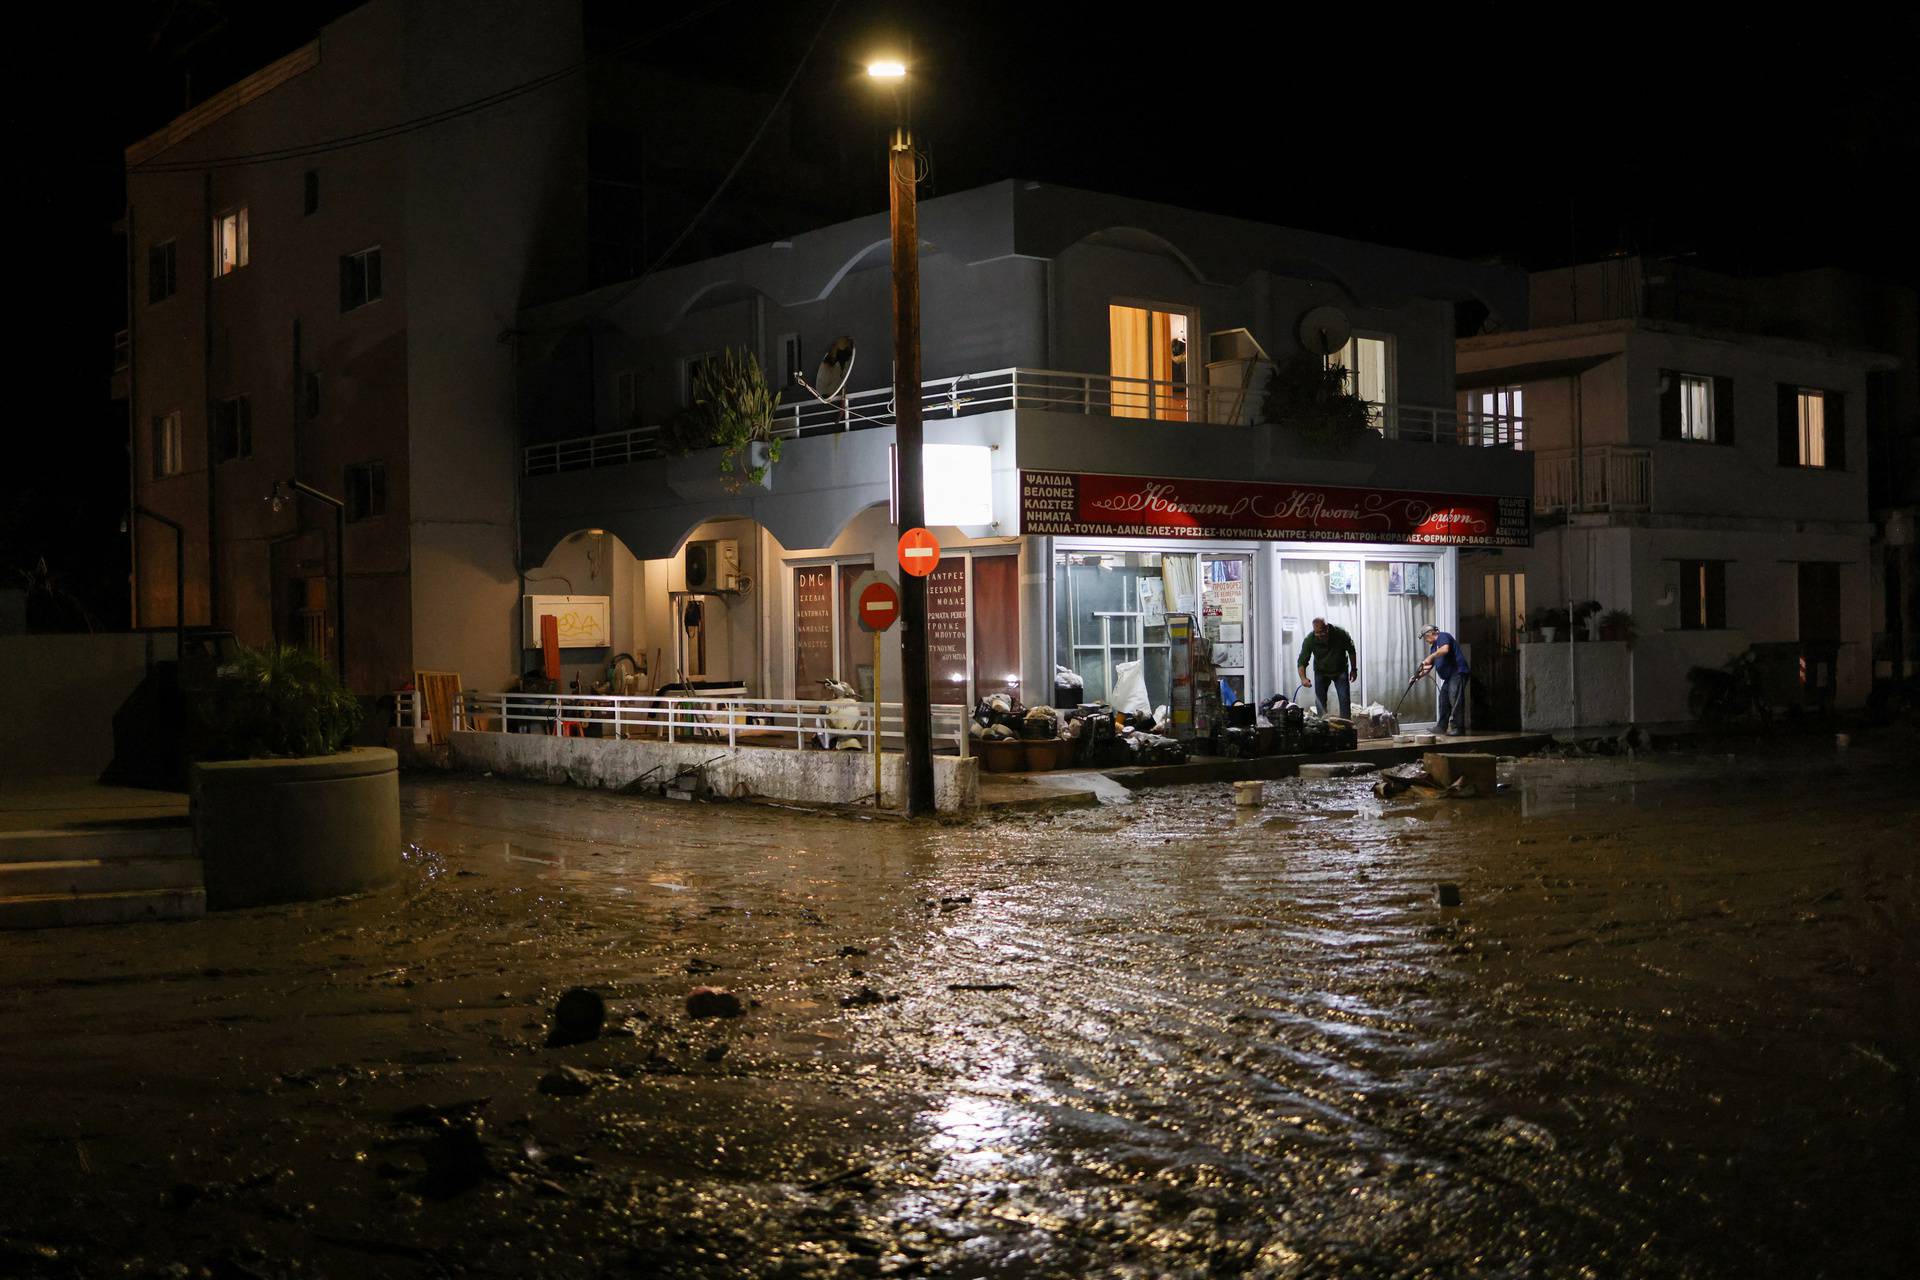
<point>1672,1030</point>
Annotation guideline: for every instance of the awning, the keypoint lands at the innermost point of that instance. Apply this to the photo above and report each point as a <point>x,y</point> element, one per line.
<point>1539,371</point>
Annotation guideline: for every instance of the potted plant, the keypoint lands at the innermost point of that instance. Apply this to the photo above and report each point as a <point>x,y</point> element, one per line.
<point>284,810</point>
<point>1617,624</point>
<point>732,411</point>
<point>1314,398</point>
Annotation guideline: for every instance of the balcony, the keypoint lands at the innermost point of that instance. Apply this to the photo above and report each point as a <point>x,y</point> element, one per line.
<point>1125,399</point>
<point>1605,478</point>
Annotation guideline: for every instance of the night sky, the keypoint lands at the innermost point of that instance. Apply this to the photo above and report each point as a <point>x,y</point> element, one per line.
<point>1750,143</point>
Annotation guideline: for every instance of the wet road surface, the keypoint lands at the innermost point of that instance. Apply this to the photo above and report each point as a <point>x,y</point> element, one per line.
<point>1672,1030</point>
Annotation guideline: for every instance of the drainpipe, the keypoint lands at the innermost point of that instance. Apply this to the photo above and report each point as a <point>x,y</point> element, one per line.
<point>206,405</point>
<point>133,433</point>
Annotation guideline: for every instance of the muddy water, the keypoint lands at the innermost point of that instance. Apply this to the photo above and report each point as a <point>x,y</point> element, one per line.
<point>1671,1031</point>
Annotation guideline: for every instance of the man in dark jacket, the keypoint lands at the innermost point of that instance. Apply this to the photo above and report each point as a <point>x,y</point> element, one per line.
<point>1446,661</point>
<point>1335,662</point>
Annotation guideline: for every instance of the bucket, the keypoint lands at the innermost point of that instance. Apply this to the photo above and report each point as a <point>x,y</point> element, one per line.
<point>1002,755</point>
<point>1047,753</point>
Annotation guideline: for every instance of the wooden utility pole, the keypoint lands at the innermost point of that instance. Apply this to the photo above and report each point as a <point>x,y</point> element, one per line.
<point>909,481</point>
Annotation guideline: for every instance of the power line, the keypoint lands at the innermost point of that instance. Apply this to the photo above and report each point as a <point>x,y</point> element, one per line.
<point>420,122</point>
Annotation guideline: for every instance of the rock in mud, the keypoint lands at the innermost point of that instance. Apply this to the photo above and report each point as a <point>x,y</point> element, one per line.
<point>566,1082</point>
<point>864,997</point>
<point>714,1002</point>
<point>1449,894</point>
<point>457,1160</point>
<point>578,1017</point>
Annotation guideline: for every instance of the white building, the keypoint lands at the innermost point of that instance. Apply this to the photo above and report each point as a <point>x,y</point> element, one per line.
<point>1104,359</point>
<point>1708,480</point>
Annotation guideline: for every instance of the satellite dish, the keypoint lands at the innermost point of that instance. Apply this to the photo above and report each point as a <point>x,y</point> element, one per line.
<point>836,366</point>
<point>1324,330</point>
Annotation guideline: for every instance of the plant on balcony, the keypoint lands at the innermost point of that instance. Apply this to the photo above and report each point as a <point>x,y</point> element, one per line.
<point>1314,399</point>
<point>1617,624</point>
<point>1550,625</point>
<point>279,701</point>
<point>732,411</point>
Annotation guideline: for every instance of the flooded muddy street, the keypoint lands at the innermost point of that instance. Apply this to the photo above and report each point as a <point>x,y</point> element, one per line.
<point>1672,1029</point>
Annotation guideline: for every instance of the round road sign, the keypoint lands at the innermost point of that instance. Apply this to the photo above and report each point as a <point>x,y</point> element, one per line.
<point>879,606</point>
<point>919,552</point>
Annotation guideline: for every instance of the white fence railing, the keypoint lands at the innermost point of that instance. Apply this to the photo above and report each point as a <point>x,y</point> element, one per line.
<point>1234,402</point>
<point>1602,478</point>
<point>733,722</point>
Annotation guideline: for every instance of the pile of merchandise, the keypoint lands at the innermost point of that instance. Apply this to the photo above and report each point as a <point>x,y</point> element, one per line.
<point>1105,738</point>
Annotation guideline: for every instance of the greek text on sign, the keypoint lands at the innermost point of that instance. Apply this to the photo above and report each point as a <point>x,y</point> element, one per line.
<point>919,552</point>
<point>1108,506</point>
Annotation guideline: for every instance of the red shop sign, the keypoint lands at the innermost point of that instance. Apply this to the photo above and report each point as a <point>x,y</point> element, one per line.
<point>1102,506</point>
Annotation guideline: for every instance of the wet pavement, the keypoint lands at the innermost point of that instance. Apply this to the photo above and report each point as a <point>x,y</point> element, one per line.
<point>1671,1030</point>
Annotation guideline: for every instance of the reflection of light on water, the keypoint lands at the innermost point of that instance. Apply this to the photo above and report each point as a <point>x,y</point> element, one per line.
<point>978,1132</point>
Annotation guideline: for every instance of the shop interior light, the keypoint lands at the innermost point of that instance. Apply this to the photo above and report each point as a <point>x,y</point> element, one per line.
<point>959,484</point>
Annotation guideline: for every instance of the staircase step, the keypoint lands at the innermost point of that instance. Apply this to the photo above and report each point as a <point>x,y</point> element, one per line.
<point>65,843</point>
<point>98,875</point>
<point>47,910</point>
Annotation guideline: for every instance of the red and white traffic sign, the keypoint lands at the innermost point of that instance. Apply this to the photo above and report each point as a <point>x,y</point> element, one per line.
<point>919,552</point>
<point>876,600</point>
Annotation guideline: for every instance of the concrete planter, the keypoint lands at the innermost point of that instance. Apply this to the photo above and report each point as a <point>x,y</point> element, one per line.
<point>696,476</point>
<point>297,829</point>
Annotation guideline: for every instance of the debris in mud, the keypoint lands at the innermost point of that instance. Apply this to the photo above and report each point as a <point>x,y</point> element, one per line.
<point>1449,894</point>
<point>429,1116</point>
<point>853,951</point>
<point>577,1017</point>
<point>864,997</point>
<point>981,986</point>
<point>1336,769</point>
<point>697,966</point>
<point>713,1002</point>
<point>957,900</point>
<point>566,1082</point>
<point>1248,794</point>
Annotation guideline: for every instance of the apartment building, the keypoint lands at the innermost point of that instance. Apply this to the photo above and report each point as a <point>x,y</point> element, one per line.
<point>1094,371</point>
<point>1701,449</point>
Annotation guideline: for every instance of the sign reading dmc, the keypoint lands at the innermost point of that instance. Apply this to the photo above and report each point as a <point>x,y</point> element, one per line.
<point>1103,506</point>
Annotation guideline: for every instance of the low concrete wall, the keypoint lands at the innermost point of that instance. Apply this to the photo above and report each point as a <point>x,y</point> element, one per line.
<point>1566,686</point>
<point>816,777</point>
<point>294,830</point>
<point>60,694</point>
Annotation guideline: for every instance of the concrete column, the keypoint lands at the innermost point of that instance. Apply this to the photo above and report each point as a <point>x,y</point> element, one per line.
<point>1036,621</point>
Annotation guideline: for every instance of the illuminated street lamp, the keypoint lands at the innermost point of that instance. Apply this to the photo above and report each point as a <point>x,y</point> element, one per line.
<point>909,479</point>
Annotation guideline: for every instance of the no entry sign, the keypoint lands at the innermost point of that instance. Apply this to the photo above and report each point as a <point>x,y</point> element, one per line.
<point>876,600</point>
<point>919,552</point>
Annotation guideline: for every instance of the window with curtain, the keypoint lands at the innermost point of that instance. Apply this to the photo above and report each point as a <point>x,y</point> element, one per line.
<point>1366,362</point>
<point>1394,621</point>
<point>1312,589</point>
<point>1812,414</point>
<point>1148,363</point>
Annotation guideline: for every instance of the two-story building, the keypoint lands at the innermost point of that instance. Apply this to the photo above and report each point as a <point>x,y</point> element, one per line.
<point>1095,369</point>
<point>1699,473</point>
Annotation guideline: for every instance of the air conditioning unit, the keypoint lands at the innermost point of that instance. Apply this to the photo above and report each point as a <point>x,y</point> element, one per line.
<point>713,565</point>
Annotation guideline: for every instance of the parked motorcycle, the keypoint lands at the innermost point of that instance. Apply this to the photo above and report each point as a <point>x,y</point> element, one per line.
<point>1717,695</point>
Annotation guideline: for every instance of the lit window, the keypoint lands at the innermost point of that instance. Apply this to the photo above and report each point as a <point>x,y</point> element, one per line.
<point>166,445</point>
<point>229,242</point>
<point>360,278</point>
<point>366,490</point>
<point>1365,360</point>
<point>1147,360</point>
<point>1696,408</point>
<point>161,282</point>
<point>232,429</point>
<point>1703,595</point>
<point>1812,413</point>
<point>1496,415</point>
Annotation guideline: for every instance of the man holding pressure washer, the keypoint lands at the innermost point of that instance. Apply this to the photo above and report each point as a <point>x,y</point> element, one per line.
<point>1335,662</point>
<point>1446,661</point>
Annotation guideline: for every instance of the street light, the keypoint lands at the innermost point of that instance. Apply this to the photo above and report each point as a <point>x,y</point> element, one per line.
<point>281,495</point>
<point>909,480</point>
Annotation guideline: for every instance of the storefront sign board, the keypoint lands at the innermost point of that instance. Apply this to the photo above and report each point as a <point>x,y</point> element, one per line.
<point>1087,504</point>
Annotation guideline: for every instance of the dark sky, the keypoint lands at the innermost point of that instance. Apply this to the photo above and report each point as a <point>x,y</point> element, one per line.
<point>1752,142</point>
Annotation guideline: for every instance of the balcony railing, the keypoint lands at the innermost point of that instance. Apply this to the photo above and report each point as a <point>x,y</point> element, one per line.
<point>1602,478</point>
<point>1041,389</point>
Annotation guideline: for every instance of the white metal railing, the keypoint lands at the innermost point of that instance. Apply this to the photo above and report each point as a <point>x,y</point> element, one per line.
<point>692,718</point>
<point>1235,403</point>
<point>1602,478</point>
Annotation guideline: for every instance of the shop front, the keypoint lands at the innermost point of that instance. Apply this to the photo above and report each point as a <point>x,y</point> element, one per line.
<point>1251,565</point>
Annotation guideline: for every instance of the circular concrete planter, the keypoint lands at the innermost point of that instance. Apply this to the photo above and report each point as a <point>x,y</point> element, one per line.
<point>296,829</point>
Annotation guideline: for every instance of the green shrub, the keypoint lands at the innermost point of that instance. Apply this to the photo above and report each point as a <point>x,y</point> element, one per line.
<point>1313,398</point>
<point>280,701</point>
<point>732,411</point>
